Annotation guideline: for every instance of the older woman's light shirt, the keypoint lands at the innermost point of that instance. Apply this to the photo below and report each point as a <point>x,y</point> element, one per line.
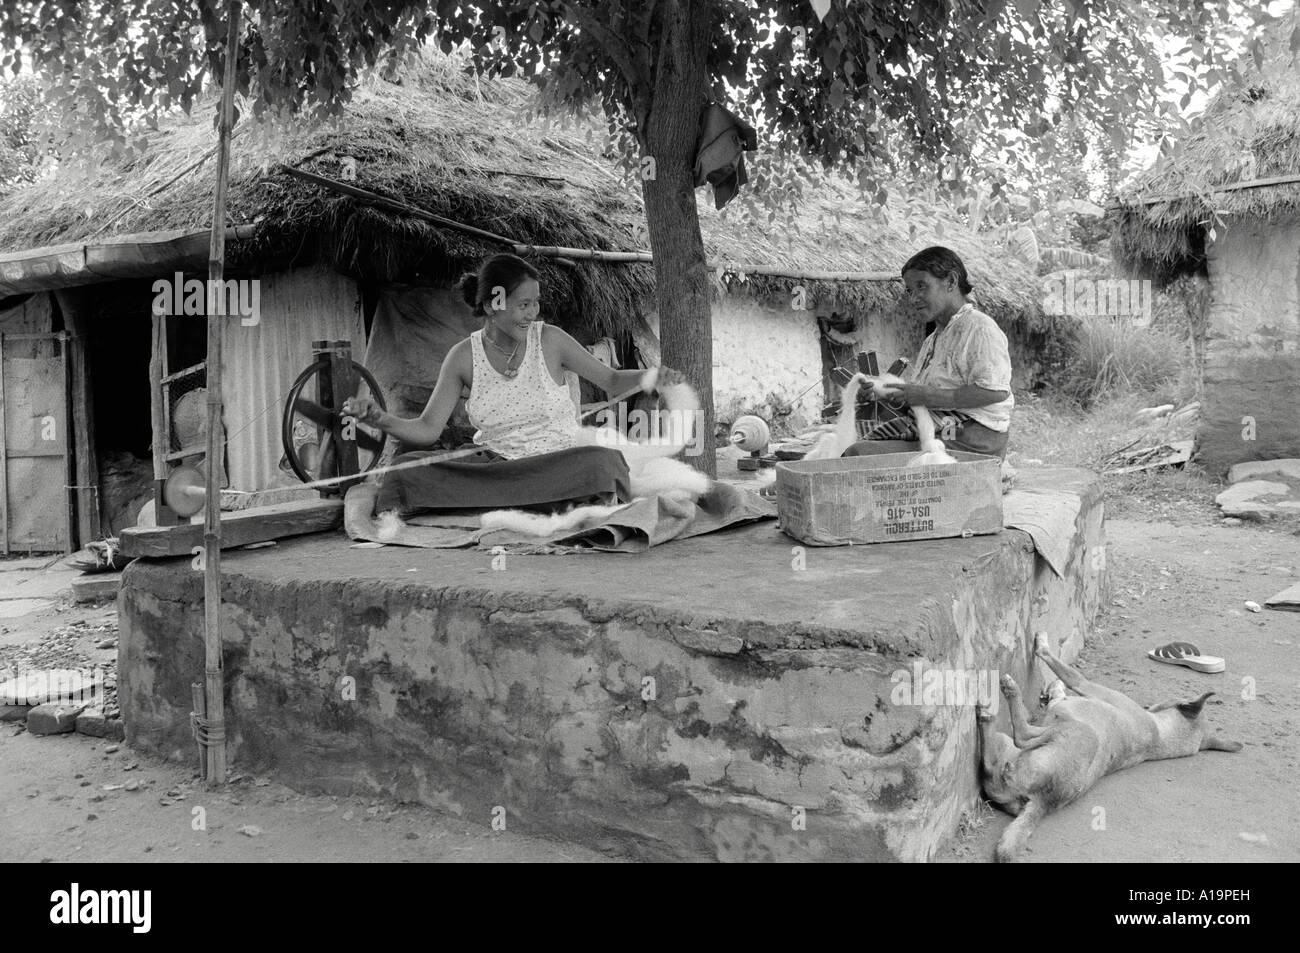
<point>971,350</point>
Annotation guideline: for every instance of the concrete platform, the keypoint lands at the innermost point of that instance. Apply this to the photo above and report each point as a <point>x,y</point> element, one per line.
<point>730,697</point>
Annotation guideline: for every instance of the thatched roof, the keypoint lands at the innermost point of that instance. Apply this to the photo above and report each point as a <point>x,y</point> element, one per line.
<point>1248,133</point>
<point>863,239</point>
<point>459,147</point>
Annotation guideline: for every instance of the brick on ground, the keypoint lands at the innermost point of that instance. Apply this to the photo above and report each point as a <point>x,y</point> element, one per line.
<point>53,719</point>
<point>96,724</point>
<point>14,712</point>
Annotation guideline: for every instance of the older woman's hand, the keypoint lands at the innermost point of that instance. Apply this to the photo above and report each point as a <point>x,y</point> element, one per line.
<point>917,395</point>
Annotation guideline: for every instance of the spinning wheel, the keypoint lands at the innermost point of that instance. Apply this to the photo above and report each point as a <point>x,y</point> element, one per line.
<point>318,442</point>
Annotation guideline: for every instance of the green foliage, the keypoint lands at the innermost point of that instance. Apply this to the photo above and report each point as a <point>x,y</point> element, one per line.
<point>21,147</point>
<point>882,87</point>
<point>1110,357</point>
<point>110,69</point>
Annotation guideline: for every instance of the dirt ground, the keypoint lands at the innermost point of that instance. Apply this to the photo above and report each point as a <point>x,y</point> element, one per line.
<point>1188,582</point>
<point>1185,577</point>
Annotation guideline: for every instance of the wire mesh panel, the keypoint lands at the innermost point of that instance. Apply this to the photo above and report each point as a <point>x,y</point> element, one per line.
<point>186,403</point>
<point>34,461</point>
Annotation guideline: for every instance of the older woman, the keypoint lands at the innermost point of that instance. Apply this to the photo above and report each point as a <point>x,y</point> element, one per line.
<point>527,424</point>
<point>963,370</point>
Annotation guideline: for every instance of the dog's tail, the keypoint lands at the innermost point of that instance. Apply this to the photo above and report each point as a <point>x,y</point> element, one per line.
<point>1011,846</point>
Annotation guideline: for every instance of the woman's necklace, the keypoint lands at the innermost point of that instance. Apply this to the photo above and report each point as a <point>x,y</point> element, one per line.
<point>510,372</point>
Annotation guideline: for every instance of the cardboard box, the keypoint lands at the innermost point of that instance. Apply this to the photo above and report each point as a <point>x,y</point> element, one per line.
<point>879,499</point>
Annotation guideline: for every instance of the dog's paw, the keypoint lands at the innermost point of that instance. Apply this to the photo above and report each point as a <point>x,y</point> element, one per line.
<point>1041,648</point>
<point>1054,692</point>
<point>1009,687</point>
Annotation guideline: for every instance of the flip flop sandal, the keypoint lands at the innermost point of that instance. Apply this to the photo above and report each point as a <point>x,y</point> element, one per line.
<point>1186,654</point>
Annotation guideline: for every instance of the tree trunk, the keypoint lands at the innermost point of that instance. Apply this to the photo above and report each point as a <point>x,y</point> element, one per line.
<point>682,291</point>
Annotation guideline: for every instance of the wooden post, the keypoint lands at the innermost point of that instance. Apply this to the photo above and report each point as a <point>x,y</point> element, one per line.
<point>4,455</point>
<point>72,507</point>
<point>77,305</point>
<point>343,384</point>
<point>213,673</point>
<point>157,413</point>
<point>161,443</point>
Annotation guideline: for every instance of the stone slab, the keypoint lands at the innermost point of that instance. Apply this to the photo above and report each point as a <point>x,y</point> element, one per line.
<point>40,686</point>
<point>1255,469</point>
<point>1288,599</point>
<point>97,586</point>
<point>1257,500</point>
<point>732,697</point>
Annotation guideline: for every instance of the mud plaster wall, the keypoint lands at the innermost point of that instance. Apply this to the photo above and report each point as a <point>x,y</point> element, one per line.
<point>1252,361</point>
<point>471,699</point>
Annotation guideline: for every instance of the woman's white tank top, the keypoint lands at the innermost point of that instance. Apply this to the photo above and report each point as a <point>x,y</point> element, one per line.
<point>524,415</point>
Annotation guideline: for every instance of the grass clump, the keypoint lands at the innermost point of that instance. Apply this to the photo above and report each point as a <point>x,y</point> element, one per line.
<point>1113,357</point>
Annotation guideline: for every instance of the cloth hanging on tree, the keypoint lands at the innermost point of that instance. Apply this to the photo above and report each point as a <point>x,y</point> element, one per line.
<point>720,152</point>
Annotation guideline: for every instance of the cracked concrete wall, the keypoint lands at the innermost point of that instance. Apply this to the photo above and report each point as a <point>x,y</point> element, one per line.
<point>1252,358</point>
<point>472,699</point>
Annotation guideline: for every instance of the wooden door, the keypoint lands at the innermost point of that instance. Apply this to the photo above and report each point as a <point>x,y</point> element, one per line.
<point>35,510</point>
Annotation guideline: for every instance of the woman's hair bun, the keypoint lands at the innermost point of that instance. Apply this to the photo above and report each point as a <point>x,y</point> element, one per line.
<point>468,286</point>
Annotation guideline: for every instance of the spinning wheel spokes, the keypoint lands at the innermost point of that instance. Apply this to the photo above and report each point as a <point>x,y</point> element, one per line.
<point>311,417</point>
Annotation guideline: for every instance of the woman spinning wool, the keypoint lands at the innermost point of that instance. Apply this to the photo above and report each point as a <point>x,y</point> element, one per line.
<point>534,451</point>
<point>963,371</point>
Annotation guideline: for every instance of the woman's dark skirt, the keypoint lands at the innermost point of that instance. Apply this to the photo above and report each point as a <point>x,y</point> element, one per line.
<point>487,480</point>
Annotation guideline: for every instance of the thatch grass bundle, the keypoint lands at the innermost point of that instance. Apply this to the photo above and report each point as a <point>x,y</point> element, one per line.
<point>1247,133</point>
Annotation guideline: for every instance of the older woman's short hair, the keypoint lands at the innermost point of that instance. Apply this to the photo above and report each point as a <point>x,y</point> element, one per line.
<point>940,262</point>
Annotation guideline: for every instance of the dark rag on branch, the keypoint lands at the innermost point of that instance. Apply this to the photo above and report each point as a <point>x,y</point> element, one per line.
<point>720,153</point>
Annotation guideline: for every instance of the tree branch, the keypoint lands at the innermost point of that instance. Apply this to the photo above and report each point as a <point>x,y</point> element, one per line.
<point>615,46</point>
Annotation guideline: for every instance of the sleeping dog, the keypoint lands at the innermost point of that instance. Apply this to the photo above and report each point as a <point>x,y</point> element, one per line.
<point>1081,740</point>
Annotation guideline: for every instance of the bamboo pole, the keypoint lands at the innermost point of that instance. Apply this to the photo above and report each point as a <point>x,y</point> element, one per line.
<point>1119,205</point>
<point>213,675</point>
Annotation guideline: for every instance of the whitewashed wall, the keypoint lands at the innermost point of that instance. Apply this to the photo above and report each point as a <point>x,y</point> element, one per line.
<point>763,347</point>
<point>758,349</point>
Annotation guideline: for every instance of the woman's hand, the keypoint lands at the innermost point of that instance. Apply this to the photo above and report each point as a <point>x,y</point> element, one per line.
<point>364,409</point>
<point>668,377</point>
